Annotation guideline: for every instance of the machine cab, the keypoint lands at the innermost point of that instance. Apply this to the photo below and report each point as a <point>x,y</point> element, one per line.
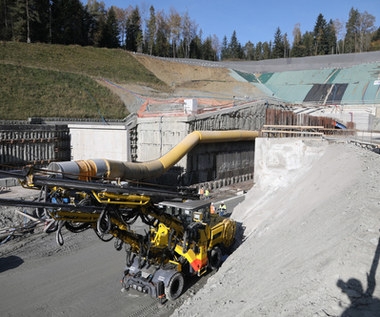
<point>188,211</point>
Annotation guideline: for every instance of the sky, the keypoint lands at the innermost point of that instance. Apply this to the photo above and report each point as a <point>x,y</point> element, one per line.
<point>255,20</point>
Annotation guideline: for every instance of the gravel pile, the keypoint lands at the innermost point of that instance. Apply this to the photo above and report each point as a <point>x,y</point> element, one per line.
<point>311,246</point>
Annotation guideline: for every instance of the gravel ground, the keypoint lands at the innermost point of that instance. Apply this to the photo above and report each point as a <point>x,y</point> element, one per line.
<point>311,247</point>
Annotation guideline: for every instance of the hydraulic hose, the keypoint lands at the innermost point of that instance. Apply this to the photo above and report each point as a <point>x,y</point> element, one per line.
<point>86,169</point>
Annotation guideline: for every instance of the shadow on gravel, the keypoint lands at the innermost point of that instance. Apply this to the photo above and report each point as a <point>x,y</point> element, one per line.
<point>239,237</point>
<point>362,302</point>
<point>10,262</point>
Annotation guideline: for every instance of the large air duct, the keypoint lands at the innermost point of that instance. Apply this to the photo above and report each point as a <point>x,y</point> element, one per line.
<point>87,169</point>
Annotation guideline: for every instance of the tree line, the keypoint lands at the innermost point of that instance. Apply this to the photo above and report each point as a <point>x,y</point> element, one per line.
<point>171,34</point>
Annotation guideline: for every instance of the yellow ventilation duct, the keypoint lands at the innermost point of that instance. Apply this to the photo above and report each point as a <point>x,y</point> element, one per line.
<point>85,170</point>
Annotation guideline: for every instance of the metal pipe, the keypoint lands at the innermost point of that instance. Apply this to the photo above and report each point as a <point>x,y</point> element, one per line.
<point>85,170</point>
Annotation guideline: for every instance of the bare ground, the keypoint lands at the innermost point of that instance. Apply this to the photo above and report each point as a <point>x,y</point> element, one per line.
<point>184,81</point>
<point>312,247</point>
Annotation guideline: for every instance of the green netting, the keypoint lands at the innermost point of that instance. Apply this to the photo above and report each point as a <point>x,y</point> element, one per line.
<point>292,93</point>
<point>293,86</point>
<point>358,73</point>
<point>333,75</point>
<point>361,93</point>
<point>361,88</point>
<point>265,77</point>
<point>248,77</point>
<point>299,77</point>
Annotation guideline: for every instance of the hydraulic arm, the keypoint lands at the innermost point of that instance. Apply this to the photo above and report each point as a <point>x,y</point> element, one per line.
<point>182,237</point>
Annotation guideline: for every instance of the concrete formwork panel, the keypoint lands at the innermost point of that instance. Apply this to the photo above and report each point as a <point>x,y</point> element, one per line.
<point>158,135</point>
<point>99,141</point>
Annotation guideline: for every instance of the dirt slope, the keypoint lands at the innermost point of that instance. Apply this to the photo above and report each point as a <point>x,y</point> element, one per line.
<point>312,247</point>
<point>191,80</point>
<point>182,80</point>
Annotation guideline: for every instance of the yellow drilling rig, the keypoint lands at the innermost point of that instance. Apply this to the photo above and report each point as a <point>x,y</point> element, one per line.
<point>183,237</point>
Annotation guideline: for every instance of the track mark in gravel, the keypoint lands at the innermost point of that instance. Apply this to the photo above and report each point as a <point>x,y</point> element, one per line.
<point>147,311</point>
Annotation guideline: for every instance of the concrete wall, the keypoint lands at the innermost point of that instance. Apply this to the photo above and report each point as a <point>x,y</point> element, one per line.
<point>158,135</point>
<point>245,117</point>
<point>37,144</point>
<point>99,141</point>
<point>206,162</point>
<point>219,161</point>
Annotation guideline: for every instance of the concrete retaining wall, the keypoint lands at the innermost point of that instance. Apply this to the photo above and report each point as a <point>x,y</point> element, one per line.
<point>100,141</point>
<point>222,163</point>
<point>149,138</point>
<point>36,144</point>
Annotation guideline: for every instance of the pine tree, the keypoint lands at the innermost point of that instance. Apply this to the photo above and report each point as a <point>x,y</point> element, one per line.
<point>133,31</point>
<point>286,46</point>
<point>351,41</point>
<point>68,22</point>
<point>308,43</point>
<point>266,51</point>
<point>224,53</point>
<point>259,51</point>
<point>249,51</point>
<point>320,36</point>
<point>207,51</point>
<point>196,47</point>
<point>234,46</point>
<point>375,41</point>
<point>95,19</point>
<point>162,47</point>
<point>152,29</point>
<point>331,37</point>
<point>278,49</point>
<point>5,22</point>
<point>110,31</point>
<point>17,16</point>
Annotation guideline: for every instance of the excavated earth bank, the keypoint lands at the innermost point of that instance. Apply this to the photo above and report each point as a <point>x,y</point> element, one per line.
<point>311,242</point>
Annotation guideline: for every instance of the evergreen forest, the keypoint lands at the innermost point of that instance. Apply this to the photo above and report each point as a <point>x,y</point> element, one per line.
<point>171,34</point>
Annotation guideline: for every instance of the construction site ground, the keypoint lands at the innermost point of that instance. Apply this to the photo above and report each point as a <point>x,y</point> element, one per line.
<point>184,81</point>
<point>311,248</point>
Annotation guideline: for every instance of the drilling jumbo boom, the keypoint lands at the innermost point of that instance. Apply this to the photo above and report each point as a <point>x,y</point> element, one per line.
<point>183,237</point>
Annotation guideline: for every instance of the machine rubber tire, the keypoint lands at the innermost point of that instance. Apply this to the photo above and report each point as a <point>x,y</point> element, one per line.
<point>175,286</point>
<point>215,258</point>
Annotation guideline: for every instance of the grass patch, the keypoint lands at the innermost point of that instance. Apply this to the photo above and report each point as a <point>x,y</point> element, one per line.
<point>31,92</point>
<point>113,64</point>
